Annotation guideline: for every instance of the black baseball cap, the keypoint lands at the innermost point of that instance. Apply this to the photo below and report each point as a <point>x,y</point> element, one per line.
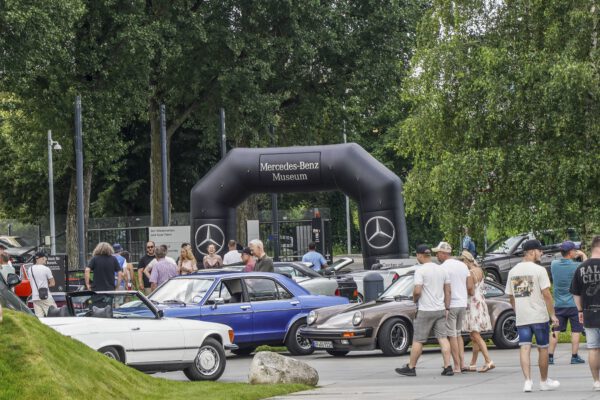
<point>423,249</point>
<point>532,244</point>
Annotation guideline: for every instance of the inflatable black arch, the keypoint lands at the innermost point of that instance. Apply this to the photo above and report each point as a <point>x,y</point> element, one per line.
<point>345,167</point>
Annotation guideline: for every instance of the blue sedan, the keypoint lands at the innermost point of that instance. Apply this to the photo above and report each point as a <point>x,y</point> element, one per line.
<point>261,307</point>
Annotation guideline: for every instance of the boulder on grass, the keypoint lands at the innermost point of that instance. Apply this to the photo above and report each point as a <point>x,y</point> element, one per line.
<point>269,367</point>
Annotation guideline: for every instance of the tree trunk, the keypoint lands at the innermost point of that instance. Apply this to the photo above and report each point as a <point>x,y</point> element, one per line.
<point>156,197</point>
<point>71,231</point>
<point>245,211</point>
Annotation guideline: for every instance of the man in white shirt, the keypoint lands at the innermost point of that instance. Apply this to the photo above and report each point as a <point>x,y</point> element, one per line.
<point>461,284</point>
<point>528,286</point>
<point>233,256</point>
<point>41,277</point>
<point>432,294</point>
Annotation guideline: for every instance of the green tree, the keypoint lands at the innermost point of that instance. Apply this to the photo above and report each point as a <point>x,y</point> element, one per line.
<point>504,118</point>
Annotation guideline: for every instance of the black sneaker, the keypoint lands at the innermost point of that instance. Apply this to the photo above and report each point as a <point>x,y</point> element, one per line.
<point>448,371</point>
<point>406,371</point>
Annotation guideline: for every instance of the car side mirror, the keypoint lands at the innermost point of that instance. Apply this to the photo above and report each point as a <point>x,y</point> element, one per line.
<point>12,280</point>
<point>327,272</point>
<point>218,300</point>
<point>161,314</point>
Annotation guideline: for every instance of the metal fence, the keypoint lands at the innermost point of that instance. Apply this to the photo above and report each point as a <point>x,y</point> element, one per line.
<point>132,239</point>
<point>294,237</point>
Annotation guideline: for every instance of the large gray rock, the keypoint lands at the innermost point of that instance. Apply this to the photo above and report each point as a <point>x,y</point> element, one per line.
<point>269,367</point>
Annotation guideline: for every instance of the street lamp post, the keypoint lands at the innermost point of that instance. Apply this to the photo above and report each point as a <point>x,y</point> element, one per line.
<point>56,146</point>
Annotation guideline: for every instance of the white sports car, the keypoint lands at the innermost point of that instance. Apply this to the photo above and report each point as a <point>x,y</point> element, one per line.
<point>127,327</point>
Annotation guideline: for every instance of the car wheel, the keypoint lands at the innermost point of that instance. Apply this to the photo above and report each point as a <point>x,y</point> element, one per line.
<point>492,275</point>
<point>337,353</point>
<point>209,363</point>
<point>111,352</point>
<point>297,344</point>
<point>244,351</point>
<point>506,335</point>
<point>394,337</point>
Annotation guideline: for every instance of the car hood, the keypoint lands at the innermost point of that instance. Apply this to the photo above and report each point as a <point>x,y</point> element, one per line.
<point>341,317</point>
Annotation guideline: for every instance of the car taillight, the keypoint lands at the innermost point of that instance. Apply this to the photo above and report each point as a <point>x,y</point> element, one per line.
<point>337,292</point>
<point>231,335</point>
<point>396,277</point>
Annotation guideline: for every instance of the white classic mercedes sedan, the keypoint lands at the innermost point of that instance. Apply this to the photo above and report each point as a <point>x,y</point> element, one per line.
<point>129,328</point>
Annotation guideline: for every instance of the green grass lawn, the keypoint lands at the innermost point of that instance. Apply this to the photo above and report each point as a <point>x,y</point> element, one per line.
<point>37,362</point>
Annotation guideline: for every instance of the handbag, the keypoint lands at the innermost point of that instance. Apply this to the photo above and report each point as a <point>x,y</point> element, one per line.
<point>43,292</point>
<point>24,288</point>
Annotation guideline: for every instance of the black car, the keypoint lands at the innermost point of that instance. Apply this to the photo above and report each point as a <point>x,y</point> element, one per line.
<point>505,253</point>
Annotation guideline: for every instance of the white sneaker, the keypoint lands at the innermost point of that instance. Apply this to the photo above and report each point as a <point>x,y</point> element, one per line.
<point>550,384</point>
<point>597,386</point>
<point>528,386</point>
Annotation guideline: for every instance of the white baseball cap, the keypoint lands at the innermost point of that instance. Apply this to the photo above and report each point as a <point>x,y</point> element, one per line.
<point>443,247</point>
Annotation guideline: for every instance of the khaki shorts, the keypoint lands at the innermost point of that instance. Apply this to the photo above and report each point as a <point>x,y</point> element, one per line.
<point>456,315</point>
<point>427,322</point>
<point>40,307</point>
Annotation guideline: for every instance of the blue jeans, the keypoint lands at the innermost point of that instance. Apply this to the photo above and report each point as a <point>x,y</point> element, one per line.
<point>541,332</point>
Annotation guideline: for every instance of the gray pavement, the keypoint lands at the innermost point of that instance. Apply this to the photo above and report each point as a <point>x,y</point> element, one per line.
<point>369,375</point>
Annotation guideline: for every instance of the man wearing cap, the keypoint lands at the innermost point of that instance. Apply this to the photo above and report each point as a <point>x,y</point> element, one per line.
<point>461,284</point>
<point>528,286</point>
<point>432,295</point>
<point>248,260</point>
<point>41,277</point>
<point>586,293</point>
<point>117,248</point>
<point>564,305</point>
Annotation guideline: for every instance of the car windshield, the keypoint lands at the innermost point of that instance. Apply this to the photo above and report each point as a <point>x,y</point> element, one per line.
<point>122,305</point>
<point>403,287</point>
<point>190,290</point>
<point>504,245</point>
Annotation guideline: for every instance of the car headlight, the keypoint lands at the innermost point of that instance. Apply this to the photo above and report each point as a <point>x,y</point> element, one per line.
<point>312,317</point>
<point>357,318</point>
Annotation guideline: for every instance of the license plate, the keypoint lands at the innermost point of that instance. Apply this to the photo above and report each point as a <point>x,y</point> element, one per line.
<point>319,344</point>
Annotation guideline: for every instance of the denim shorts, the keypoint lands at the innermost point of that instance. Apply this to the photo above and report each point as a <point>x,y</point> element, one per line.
<point>592,338</point>
<point>541,332</point>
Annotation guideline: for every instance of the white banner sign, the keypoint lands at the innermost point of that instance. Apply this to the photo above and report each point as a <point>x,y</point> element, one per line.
<point>172,236</point>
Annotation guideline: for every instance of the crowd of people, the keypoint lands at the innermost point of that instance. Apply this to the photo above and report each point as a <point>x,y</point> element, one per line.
<point>450,301</point>
<point>450,296</point>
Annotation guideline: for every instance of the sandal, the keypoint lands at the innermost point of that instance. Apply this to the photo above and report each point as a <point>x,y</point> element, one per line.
<point>471,368</point>
<point>487,367</point>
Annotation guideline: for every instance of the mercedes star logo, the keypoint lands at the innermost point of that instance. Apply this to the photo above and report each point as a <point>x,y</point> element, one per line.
<point>379,232</point>
<point>209,234</point>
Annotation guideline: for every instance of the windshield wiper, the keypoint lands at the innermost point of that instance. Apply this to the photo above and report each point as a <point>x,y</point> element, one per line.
<point>173,301</point>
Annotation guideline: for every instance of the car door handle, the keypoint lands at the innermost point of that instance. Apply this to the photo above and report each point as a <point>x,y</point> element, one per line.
<point>135,329</point>
<point>294,303</point>
<point>245,307</point>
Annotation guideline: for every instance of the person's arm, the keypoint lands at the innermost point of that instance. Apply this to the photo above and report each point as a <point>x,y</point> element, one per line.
<point>140,278</point>
<point>148,270</point>
<point>417,291</point>
<point>447,296</point>
<point>470,285</point>
<point>550,305</point>
<point>51,282</point>
<point>579,305</point>
<point>87,278</point>
<point>581,254</point>
<point>153,286</point>
<point>119,279</point>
